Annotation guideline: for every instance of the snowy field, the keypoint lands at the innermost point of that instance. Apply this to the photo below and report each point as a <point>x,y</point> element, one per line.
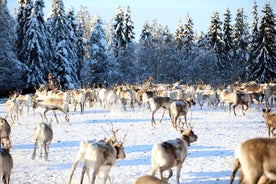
<point>209,159</point>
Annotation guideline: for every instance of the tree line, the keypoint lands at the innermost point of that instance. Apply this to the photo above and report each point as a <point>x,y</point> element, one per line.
<point>84,50</point>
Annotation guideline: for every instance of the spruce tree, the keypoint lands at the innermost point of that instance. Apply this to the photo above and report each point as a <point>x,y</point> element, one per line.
<point>13,72</point>
<point>263,57</point>
<point>99,69</point>
<point>118,37</point>
<point>62,35</point>
<point>37,47</point>
<point>215,42</point>
<point>129,27</point>
<point>145,53</point>
<point>179,32</point>
<point>23,17</point>
<point>240,43</point>
<point>188,36</point>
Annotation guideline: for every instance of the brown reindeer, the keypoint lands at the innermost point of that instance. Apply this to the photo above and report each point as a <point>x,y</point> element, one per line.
<point>256,161</point>
<point>270,121</point>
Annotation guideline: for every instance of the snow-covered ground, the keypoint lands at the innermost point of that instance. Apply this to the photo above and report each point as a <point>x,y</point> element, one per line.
<point>209,159</point>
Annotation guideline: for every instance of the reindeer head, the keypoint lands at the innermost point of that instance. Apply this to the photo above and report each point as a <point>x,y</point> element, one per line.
<point>188,135</point>
<point>190,102</point>
<point>117,145</point>
<point>266,111</point>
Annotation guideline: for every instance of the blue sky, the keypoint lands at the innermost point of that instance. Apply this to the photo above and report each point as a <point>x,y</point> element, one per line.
<point>167,12</point>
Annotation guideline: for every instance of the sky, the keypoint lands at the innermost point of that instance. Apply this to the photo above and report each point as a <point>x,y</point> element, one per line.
<point>166,12</point>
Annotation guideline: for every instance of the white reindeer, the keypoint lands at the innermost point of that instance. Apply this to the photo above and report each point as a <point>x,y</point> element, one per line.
<point>171,153</point>
<point>98,155</point>
<point>43,135</point>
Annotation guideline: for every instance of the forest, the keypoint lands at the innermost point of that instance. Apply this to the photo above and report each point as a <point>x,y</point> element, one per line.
<point>79,49</point>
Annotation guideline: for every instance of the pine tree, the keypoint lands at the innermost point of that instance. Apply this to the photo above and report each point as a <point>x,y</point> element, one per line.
<point>145,53</point>
<point>99,69</point>
<point>253,40</point>
<point>76,40</point>
<point>13,72</point>
<point>36,46</point>
<point>179,32</point>
<point>118,38</point>
<point>62,35</point>
<point>129,27</point>
<point>227,35</point>
<point>23,17</point>
<point>240,42</point>
<point>85,20</point>
<point>263,60</point>
<point>188,36</point>
<point>214,37</point>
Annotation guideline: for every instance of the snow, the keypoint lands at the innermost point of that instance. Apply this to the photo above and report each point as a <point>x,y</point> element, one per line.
<point>209,159</point>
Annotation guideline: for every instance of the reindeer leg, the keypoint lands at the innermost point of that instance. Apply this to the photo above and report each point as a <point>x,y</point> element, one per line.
<point>46,110</point>
<point>152,118</point>
<point>46,150</point>
<point>55,116</point>
<point>234,109</point>
<point>160,122</point>
<point>76,163</point>
<point>107,170</point>
<point>40,150</point>
<point>84,169</point>
<point>95,173</point>
<point>34,152</point>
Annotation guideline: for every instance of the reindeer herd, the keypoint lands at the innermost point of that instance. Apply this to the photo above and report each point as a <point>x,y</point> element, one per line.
<point>254,159</point>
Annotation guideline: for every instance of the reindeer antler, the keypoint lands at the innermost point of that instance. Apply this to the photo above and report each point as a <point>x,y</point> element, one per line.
<point>114,132</point>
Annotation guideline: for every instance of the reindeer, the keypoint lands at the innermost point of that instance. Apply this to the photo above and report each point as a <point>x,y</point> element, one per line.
<point>126,95</point>
<point>98,154</point>
<point>235,98</point>
<point>180,107</point>
<point>256,160</point>
<point>270,121</point>
<point>52,104</point>
<point>147,179</point>
<point>43,135</point>
<point>12,111</point>
<point>5,131</point>
<point>79,98</point>
<point>6,165</point>
<point>171,153</point>
<point>157,103</point>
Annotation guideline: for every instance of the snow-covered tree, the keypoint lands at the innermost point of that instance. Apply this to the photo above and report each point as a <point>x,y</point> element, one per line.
<point>240,43</point>
<point>23,17</point>
<point>227,35</point>
<point>129,27</point>
<point>179,32</point>
<point>263,60</point>
<point>76,40</point>
<point>188,36</point>
<point>118,37</point>
<point>36,46</point>
<point>145,53</point>
<point>13,72</point>
<point>215,41</point>
<point>85,20</point>
<point>62,35</point>
<point>99,69</point>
